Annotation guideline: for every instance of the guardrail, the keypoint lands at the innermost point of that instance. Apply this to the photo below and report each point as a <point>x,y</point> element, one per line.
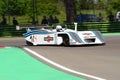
<point>10,30</point>
<point>104,27</point>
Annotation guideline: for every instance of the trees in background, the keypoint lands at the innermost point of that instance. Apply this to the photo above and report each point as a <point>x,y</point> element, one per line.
<point>31,8</point>
<point>113,6</point>
<point>51,7</point>
<point>25,7</point>
<point>12,7</point>
<point>108,5</point>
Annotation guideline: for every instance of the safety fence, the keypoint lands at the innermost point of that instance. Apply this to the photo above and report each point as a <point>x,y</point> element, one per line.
<point>104,27</point>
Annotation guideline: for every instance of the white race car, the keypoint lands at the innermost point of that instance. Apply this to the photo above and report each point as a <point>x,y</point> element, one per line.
<point>63,36</point>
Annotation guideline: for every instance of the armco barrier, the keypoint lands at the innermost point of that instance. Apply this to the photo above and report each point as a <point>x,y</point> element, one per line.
<point>10,30</point>
<point>104,27</point>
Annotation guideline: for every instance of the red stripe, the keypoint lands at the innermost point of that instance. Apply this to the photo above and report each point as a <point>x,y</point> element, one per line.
<point>2,46</point>
<point>35,38</point>
<point>100,36</point>
<point>76,37</point>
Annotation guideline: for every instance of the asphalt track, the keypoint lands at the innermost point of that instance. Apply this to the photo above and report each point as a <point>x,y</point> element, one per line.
<point>93,62</point>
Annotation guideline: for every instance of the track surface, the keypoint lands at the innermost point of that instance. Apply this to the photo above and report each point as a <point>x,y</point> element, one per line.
<point>100,61</point>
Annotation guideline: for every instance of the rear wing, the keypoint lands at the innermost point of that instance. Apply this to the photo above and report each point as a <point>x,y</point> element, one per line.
<point>28,27</point>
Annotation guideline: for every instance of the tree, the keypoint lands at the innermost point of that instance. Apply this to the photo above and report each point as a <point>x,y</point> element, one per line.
<point>113,6</point>
<point>70,10</point>
<point>12,7</point>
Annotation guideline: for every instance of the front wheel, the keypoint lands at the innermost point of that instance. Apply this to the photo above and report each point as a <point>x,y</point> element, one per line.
<point>29,43</point>
<point>66,41</point>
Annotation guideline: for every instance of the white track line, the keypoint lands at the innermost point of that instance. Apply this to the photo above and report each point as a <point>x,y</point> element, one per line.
<point>60,66</point>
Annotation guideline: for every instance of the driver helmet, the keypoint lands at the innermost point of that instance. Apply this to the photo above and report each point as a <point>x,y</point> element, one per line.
<point>59,28</point>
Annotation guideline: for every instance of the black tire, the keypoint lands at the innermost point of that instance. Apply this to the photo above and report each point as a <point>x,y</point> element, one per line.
<point>66,41</point>
<point>29,43</point>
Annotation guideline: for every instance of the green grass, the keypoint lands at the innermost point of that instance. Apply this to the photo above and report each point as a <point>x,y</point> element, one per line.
<point>15,64</point>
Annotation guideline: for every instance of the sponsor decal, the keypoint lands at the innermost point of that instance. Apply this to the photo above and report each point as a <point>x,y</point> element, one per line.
<point>86,33</point>
<point>48,38</point>
<point>89,36</point>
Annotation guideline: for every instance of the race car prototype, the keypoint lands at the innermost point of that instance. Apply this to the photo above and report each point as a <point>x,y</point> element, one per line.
<point>63,36</point>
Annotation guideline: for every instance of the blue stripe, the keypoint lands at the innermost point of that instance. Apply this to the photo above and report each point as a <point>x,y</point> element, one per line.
<point>101,35</point>
<point>72,36</point>
<point>79,38</point>
<point>76,36</point>
<point>36,32</point>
